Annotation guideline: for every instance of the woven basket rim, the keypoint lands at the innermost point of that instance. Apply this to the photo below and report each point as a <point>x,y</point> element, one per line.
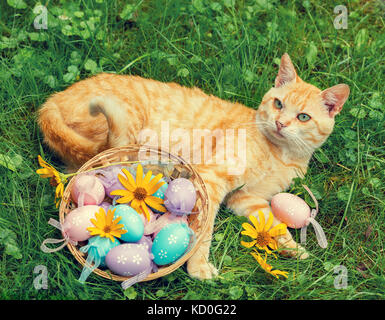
<point>104,155</point>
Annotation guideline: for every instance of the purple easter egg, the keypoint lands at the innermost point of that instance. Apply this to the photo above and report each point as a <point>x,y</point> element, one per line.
<point>105,205</point>
<point>128,259</point>
<point>110,180</point>
<point>180,196</point>
<point>87,190</point>
<point>78,220</point>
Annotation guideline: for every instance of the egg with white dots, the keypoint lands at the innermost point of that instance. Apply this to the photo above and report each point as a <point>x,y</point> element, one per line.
<point>290,209</point>
<point>180,196</point>
<point>171,243</point>
<point>129,259</point>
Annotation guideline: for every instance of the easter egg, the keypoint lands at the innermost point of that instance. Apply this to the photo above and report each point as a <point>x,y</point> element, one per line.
<point>180,196</point>
<point>87,190</point>
<point>78,220</point>
<point>110,180</point>
<point>131,221</point>
<point>290,209</point>
<point>171,243</point>
<point>128,259</point>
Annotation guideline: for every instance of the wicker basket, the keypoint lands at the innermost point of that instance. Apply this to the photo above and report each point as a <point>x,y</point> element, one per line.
<point>198,222</point>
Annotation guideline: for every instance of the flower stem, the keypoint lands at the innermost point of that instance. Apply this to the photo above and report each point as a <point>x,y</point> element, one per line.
<point>101,167</point>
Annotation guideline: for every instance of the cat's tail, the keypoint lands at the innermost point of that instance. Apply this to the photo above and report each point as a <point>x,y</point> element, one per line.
<point>72,147</point>
<point>121,127</point>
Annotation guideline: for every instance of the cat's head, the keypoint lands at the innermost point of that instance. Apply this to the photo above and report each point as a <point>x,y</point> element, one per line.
<point>297,114</point>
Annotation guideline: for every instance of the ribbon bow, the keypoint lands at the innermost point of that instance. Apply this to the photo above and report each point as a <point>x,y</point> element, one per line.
<point>65,240</point>
<point>321,238</point>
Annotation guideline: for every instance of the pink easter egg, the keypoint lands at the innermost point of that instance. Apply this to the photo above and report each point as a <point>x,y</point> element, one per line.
<point>87,190</point>
<point>290,209</point>
<point>78,220</point>
<point>153,217</point>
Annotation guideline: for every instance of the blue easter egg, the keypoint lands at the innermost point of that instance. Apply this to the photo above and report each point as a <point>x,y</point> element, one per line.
<point>171,243</point>
<point>131,221</point>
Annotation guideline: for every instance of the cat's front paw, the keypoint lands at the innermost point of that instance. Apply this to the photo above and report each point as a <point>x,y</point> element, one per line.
<point>201,270</point>
<point>288,247</point>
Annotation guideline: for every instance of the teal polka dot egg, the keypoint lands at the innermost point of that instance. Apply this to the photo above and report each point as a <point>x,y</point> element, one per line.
<point>131,221</point>
<point>171,243</point>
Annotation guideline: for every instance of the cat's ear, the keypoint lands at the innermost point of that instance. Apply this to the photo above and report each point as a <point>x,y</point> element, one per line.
<point>335,97</point>
<point>286,72</point>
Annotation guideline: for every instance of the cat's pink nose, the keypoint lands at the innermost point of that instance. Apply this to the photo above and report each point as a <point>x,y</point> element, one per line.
<point>279,125</point>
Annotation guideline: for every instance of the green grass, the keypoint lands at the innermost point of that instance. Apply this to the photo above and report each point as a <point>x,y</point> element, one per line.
<point>229,51</point>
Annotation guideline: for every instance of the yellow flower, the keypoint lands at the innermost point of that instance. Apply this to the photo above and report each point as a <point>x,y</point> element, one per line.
<point>267,267</point>
<point>140,192</point>
<point>106,226</point>
<point>262,233</point>
<point>57,179</point>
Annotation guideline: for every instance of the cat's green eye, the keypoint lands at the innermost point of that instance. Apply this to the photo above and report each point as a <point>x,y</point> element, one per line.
<point>303,117</point>
<point>278,104</point>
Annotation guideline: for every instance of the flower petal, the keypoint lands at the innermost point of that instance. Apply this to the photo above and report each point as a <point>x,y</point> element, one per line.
<point>154,202</point>
<point>125,199</point>
<point>126,183</point>
<point>248,244</point>
<point>45,173</point>
<point>94,231</point>
<point>255,222</point>
<point>145,210</point>
<point>153,182</point>
<point>135,203</point>
<point>146,179</point>
<point>279,272</point>
<point>43,163</point>
<point>130,178</point>
<point>155,188</point>
<point>250,229</point>
<point>109,217</point>
<point>278,230</point>
<point>261,219</point>
<point>269,222</point>
<point>120,192</point>
<point>139,175</point>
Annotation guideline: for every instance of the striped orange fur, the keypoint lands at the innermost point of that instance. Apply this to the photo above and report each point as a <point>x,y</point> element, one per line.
<point>111,110</point>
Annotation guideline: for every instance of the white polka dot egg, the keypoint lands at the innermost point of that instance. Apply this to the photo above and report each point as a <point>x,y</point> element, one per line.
<point>128,259</point>
<point>171,243</point>
<point>290,209</point>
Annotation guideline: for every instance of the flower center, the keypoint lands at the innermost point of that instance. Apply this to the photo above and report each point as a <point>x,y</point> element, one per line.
<point>140,193</point>
<point>263,238</point>
<point>53,182</point>
<point>107,229</point>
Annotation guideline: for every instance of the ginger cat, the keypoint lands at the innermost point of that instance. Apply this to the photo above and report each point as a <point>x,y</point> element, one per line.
<point>293,119</point>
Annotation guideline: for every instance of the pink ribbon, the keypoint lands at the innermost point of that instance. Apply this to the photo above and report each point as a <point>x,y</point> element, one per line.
<point>162,221</point>
<point>320,234</point>
<point>65,240</point>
